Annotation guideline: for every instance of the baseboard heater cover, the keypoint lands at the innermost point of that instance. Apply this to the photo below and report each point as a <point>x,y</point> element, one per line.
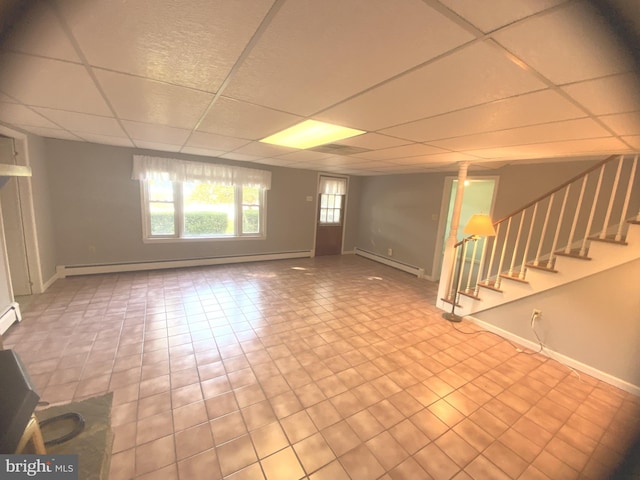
<point>418,272</point>
<point>71,270</point>
<point>10,314</point>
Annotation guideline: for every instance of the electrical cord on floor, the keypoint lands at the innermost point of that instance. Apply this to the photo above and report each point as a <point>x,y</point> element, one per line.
<point>515,347</point>
<point>534,317</point>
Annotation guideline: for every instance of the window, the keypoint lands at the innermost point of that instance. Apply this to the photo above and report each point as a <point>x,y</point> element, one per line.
<point>332,192</point>
<point>192,200</point>
<point>330,208</point>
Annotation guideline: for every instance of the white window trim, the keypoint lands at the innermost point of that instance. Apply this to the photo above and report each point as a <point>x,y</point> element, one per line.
<point>179,171</point>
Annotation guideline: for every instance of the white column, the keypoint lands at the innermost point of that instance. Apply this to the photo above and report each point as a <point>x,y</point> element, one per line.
<point>448,262</point>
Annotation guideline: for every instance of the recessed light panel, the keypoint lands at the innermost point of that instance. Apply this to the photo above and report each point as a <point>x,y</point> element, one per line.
<point>311,133</point>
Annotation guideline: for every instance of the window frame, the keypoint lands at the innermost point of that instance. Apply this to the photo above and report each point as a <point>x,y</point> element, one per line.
<point>178,236</point>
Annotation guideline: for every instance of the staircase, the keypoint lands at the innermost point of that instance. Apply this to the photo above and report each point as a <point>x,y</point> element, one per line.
<point>584,226</point>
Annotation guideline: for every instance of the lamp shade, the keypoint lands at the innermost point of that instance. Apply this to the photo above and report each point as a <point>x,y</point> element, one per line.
<point>480,225</point>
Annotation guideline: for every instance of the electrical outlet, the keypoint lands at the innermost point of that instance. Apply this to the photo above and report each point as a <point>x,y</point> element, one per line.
<point>537,312</point>
<point>390,252</point>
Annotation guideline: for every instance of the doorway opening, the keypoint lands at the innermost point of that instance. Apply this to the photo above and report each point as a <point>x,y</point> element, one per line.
<point>479,197</point>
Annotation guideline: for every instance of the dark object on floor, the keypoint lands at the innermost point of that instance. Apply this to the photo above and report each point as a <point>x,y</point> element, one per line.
<point>18,399</point>
<point>93,444</point>
<point>74,419</point>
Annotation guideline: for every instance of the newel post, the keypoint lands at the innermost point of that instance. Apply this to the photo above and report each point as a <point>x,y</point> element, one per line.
<point>448,260</point>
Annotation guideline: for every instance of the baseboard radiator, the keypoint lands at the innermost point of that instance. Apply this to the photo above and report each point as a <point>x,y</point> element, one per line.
<point>10,314</point>
<point>418,272</point>
<point>71,270</point>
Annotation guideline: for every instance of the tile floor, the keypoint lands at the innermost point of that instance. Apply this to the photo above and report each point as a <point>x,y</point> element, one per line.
<point>329,368</point>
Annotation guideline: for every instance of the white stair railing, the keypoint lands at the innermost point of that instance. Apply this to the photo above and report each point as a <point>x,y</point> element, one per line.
<point>603,194</point>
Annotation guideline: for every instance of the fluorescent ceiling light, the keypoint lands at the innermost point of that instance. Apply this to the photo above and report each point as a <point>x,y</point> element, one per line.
<point>311,133</point>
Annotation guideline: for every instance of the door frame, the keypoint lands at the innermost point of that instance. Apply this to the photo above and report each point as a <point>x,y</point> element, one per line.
<point>25,194</point>
<point>444,212</point>
<point>316,214</point>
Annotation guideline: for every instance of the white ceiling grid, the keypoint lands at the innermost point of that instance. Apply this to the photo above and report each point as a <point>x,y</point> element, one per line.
<point>432,82</point>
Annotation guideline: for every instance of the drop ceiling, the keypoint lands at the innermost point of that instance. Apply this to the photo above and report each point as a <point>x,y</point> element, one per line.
<point>433,83</point>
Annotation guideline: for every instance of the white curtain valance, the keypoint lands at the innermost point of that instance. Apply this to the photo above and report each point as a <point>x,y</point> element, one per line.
<point>333,186</point>
<point>174,170</point>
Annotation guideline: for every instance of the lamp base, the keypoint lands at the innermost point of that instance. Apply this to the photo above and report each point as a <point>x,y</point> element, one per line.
<point>452,317</point>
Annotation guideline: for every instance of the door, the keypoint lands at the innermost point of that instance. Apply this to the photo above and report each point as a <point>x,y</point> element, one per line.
<point>332,196</point>
<point>12,223</point>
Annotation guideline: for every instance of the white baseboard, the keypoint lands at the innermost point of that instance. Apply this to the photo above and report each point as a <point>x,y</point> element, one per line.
<point>418,272</point>
<point>567,361</point>
<point>71,270</point>
<point>10,314</point>
<point>49,282</point>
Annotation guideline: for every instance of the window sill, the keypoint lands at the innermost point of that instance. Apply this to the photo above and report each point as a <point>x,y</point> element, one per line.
<point>202,239</point>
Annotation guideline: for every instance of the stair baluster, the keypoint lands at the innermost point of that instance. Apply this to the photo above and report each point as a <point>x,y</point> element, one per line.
<point>502,255</point>
<point>583,248</point>
<point>627,197</point>
<point>544,230</point>
<point>567,249</point>
<point>522,273</point>
<point>551,260</point>
<point>614,191</point>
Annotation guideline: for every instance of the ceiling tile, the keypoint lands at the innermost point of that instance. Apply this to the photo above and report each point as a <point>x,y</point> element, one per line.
<point>549,132</point>
<point>244,120</point>
<point>162,147</point>
<point>14,113</point>
<point>264,149</point>
<point>500,13</point>
<point>477,74</point>
<point>570,44</point>
<point>555,149</point>
<point>538,107</point>
<point>615,94</point>
<point>373,141</point>
<point>202,151</point>
<point>82,122</point>
<point>149,101</point>
<point>634,141</point>
<point>106,139</point>
<point>49,83</point>
<point>315,54</point>
<point>623,123</point>
<point>40,22</point>
<point>451,157</point>
<point>211,141</point>
<point>155,133</point>
<point>303,156</point>
<point>49,132</point>
<point>194,43</point>
<point>399,152</point>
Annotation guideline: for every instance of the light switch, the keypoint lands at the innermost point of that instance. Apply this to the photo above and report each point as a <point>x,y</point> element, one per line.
<point>309,198</point>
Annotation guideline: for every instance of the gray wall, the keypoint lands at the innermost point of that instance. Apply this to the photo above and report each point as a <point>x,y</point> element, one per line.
<point>402,211</point>
<point>98,219</point>
<point>593,320</point>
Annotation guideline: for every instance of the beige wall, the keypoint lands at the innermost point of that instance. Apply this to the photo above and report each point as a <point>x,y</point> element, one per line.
<point>98,219</point>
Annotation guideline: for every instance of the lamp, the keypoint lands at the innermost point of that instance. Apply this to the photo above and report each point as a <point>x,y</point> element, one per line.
<point>479,225</point>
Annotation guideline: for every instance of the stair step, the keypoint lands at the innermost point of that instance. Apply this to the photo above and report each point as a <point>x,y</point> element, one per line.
<point>490,285</point>
<point>541,267</point>
<point>450,302</point>
<point>575,253</point>
<point>634,222</point>
<point>513,277</point>
<point>470,294</point>
<point>609,239</point>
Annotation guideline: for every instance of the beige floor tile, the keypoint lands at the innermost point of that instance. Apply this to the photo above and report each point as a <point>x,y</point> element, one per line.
<point>305,360</point>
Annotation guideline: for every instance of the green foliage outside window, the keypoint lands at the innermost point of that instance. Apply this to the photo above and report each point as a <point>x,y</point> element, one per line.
<point>195,223</point>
